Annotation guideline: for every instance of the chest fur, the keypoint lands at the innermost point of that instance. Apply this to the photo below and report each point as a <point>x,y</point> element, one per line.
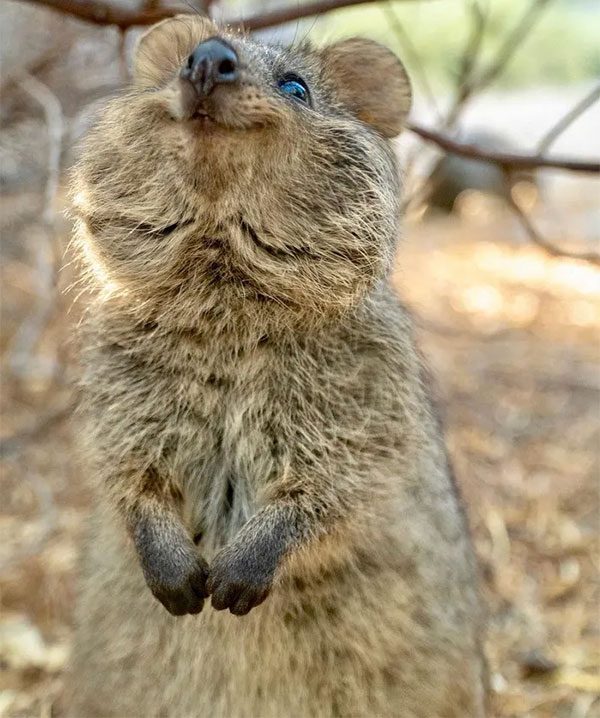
<point>224,424</point>
<point>225,430</point>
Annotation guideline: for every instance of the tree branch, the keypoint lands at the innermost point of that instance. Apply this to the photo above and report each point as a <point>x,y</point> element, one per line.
<point>410,51</point>
<point>297,12</point>
<point>465,86</point>
<point>511,42</point>
<point>471,80</point>
<point>567,120</point>
<point>537,238</point>
<point>506,160</point>
<point>99,12</point>
<point>104,13</point>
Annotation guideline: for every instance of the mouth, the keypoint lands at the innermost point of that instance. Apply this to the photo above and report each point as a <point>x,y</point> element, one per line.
<point>221,110</point>
<point>193,108</point>
<point>204,120</point>
<point>203,116</point>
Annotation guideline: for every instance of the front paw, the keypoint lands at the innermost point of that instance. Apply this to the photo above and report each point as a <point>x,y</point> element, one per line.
<point>178,582</point>
<point>238,580</point>
<point>173,570</point>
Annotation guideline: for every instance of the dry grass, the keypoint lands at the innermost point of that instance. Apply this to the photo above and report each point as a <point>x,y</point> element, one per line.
<point>512,337</point>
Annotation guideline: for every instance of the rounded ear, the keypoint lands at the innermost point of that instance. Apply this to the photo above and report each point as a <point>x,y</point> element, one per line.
<point>371,82</point>
<point>162,49</point>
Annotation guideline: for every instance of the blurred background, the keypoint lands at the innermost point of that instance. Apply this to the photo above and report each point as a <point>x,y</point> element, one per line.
<point>499,262</point>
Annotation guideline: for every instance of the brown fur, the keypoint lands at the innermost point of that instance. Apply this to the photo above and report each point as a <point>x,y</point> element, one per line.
<point>251,386</point>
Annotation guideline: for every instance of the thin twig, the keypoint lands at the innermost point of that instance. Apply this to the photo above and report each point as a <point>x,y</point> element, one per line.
<point>471,80</point>
<point>411,52</point>
<point>511,42</point>
<point>537,238</point>
<point>474,42</point>
<point>567,120</point>
<point>470,56</point>
<point>478,81</point>
<point>506,160</point>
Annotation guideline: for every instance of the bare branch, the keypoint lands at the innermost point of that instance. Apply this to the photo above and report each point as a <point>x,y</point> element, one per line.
<point>104,13</point>
<point>470,54</point>
<point>537,238</point>
<point>470,57</point>
<point>512,42</point>
<point>101,13</point>
<point>509,162</point>
<point>470,81</point>
<point>295,12</point>
<point>567,120</point>
<point>412,53</point>
<point>506,160</point>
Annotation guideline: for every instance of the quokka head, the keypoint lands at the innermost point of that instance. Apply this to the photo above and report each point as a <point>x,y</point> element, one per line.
<point>234,174</point>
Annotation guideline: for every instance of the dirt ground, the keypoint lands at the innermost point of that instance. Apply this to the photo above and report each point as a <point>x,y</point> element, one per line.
<point>512,337</point>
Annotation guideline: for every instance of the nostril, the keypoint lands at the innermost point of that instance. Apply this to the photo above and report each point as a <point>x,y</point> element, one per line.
<point>190,61</point>
<point>227,67</point>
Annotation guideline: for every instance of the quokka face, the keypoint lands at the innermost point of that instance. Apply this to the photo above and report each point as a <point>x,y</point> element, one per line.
<point>245,174</point>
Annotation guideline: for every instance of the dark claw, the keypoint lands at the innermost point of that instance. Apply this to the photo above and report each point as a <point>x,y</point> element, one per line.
<point>245,604</point>
<point>238,596</point>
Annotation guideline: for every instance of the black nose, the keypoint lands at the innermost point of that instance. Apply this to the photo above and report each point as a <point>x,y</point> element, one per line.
<point>213,62</point>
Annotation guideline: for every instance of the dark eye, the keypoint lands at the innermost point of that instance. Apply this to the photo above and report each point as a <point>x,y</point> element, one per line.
<point>295,87</point>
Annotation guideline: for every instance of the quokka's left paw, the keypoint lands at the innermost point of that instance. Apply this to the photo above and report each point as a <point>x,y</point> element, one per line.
<point>239,580</point>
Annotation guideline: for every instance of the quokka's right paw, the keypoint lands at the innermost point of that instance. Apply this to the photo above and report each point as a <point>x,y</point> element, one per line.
<point>174,571</point>
<point>179,583</point>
